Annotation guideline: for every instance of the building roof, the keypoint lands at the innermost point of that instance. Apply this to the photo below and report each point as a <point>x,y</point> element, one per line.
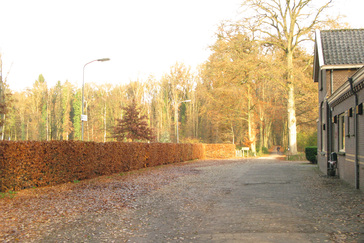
<point>338,49</point>
<point>342,47</point>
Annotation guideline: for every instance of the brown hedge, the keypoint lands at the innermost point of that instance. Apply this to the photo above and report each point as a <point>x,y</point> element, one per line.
<point>219,151</point>
<point>26,164</point>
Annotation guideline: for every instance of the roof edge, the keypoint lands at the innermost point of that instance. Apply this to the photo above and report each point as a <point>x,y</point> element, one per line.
<point>339,92</point>
<point>347,29</point>
<point>319,49</point>
<point>342,66</point>
<point>356,76</point>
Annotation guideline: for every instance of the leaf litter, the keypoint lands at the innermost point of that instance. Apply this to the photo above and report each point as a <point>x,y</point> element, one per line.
<point>32,212</point>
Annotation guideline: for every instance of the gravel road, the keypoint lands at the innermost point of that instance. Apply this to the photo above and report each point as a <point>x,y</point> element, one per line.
<point>261,200</point>
<point>246,200</point>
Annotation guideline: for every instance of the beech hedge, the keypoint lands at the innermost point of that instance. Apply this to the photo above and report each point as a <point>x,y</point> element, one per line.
<point>26,164</point>
<point>219,151</point>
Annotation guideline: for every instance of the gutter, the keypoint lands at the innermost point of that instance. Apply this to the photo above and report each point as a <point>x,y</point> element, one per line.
<point>356,135</point>
<point>341,66</point>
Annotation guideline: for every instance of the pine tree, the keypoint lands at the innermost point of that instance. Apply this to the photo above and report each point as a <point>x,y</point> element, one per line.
<point>133,126</point>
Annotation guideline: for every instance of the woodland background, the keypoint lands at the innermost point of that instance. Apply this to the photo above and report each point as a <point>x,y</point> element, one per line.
<point>238,95</point>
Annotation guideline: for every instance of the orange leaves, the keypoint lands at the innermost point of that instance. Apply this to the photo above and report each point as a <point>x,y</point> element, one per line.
<point>218,151</point>
<point>27,164</point>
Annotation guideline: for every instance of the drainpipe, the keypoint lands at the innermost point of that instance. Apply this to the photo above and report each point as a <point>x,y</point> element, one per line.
<point>329,121</point>
<point>331,81</point>
<point>329,132</point>
<point>356,135</point>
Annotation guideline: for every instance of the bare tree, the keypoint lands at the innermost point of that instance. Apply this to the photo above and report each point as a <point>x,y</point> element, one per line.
<point>285,24</point>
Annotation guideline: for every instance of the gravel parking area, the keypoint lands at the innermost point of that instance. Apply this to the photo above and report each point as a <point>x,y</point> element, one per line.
<point>261,200</point>
<point>247,200</point>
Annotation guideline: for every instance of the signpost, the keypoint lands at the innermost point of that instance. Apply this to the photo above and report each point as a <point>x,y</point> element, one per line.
<point>245,149</point>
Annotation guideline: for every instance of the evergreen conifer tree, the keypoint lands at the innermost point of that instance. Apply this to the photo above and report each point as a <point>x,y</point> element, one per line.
<point>133,126</point>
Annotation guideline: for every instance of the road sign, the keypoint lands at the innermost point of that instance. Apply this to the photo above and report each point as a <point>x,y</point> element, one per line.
<point>245,149</point>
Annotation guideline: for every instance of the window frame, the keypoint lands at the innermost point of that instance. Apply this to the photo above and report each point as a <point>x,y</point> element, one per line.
<point>342,132</point>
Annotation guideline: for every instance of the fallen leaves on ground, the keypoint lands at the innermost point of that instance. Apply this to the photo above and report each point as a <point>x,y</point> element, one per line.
<point>24,216</point>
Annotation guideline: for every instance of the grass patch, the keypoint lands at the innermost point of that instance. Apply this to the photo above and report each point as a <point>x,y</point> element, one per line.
<point>297,157</point>
<point>9,194</point>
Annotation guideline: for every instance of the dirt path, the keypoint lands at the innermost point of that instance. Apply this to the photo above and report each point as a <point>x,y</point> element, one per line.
<point>257,200</point>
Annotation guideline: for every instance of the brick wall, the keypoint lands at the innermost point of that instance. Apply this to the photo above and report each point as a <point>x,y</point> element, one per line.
<point>339,78</point>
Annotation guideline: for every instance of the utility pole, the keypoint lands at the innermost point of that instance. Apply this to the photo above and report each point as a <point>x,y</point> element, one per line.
<point>84,117</point>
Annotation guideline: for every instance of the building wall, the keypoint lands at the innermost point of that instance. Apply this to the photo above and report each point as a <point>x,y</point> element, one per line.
<point>322,137</point>
<point>346,165</point>
<point>340,76</point>
<point>346,168</point>
<point>321,134</point>
<point>346,159</point>
<point>361,142</point>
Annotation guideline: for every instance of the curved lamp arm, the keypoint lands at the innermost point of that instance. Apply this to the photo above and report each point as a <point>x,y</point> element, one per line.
<point>83,84</point>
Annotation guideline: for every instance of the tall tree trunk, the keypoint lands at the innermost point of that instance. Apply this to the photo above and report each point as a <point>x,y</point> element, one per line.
<point>176,120</point>
<point>251,133</point>
<point>195,115</point>
<point>267,132</point>
<point>251,127</point>
<point>160,132</point>
<point>27,138</point>
<point>291,110</point>
<point>261,128</point>
<point>232,132</point>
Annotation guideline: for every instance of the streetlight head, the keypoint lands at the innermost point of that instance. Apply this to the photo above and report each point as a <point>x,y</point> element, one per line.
<point>103,59</point>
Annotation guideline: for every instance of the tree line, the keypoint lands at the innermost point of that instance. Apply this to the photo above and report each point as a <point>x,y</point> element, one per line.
<point>241,94</point>
<point>236,97</point>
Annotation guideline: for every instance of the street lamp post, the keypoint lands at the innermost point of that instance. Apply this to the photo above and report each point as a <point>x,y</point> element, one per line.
<point>83,118</point>
<point>177,105</point>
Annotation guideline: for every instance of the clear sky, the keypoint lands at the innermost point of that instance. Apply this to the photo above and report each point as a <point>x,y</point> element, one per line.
<point>141,37</point>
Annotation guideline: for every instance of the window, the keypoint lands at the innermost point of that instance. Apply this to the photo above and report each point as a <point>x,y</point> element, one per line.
<point>322,112</point>
<point>342,132</point>
<point>347,125</point>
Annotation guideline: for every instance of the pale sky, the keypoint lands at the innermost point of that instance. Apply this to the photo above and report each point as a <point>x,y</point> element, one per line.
<point>141,37</point>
